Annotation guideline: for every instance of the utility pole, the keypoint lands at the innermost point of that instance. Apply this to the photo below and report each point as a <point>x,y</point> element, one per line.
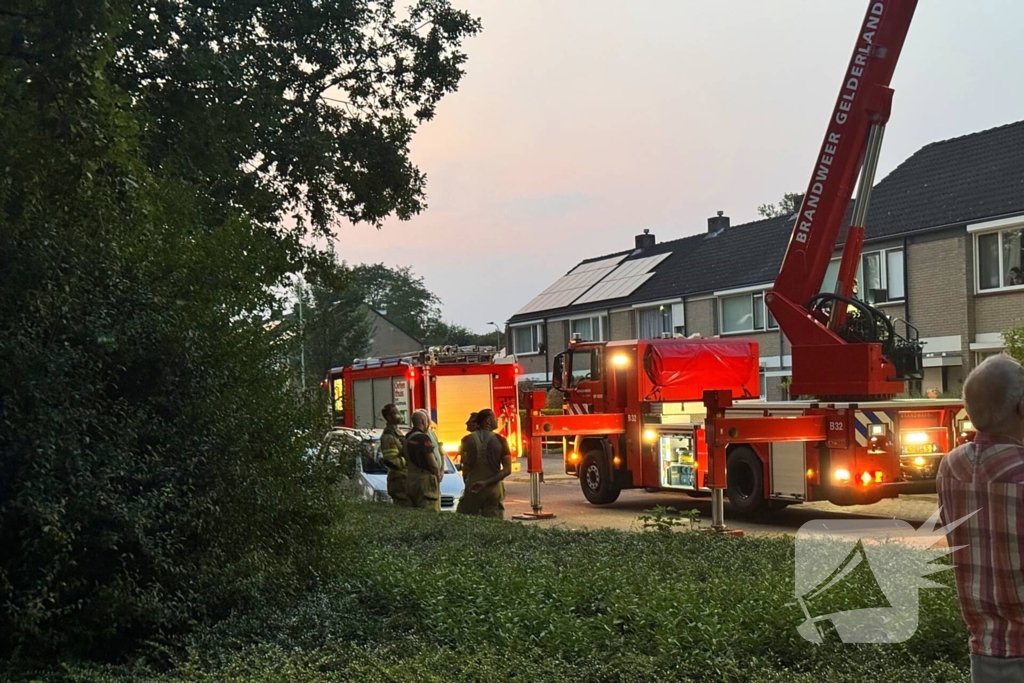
<point>497,336</point>
<point>302,339</point>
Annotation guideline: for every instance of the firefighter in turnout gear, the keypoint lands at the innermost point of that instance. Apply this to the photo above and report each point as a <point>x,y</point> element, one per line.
<point>423,483</point>
<point>486,462</point>
<point>392,449</point>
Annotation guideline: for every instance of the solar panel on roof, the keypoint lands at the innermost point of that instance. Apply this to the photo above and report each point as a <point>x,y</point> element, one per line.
<point>624,280</point>
<point>567,288</point>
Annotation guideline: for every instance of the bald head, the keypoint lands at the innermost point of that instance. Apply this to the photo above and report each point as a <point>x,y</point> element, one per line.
<point>420,421</point>
<point>994,396</point>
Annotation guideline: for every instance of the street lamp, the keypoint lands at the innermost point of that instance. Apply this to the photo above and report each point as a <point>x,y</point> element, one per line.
<point>497,336</point>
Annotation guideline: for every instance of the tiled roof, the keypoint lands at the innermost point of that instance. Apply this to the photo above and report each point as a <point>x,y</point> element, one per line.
<point>946,183</point>
<point>955,181</point>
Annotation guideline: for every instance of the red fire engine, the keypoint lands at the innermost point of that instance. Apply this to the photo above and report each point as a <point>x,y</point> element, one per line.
<point>633,416</point>
<point>461,380</point>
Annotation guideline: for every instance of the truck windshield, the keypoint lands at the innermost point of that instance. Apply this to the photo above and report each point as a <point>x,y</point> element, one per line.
<point>585,366</point>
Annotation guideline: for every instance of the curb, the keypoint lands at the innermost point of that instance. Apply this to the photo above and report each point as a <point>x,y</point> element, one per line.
<point>521,478</point>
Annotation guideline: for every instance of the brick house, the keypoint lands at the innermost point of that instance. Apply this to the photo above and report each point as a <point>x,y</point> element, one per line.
<point>944,233</point>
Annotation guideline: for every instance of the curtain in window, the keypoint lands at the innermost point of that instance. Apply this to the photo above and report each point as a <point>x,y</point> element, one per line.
<point>988,261</point>
<point>652,323</point>
<point>737,313</point>
<point>758,305</point>
<point>584,328</point>
<point>1011,256</point>
<point>894,274</point>
<point>524,339</point>
<point>831,275</point>
<point>872,279</point>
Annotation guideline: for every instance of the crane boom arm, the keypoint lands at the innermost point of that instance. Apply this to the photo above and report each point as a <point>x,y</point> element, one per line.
<point>862,357</point>
<point>863,101</point>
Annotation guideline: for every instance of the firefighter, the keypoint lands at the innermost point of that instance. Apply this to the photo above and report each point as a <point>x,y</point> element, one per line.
<point>431,431</point>
<point>486,462</point>
<point>392,449</point>
<point>423,483</point>
<point>470,427</point>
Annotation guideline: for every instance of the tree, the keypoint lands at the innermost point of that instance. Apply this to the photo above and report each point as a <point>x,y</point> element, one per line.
<point>335,326</point>
<point>450,334</point>
<point>1013,341</point>
<point>788,205</point>
<point>399,295</point>
<point>153,459</point>
<point>279,106</point>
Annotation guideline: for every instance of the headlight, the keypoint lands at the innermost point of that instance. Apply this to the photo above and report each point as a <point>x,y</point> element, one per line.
<point>842,475</point>
<point>381,497</point>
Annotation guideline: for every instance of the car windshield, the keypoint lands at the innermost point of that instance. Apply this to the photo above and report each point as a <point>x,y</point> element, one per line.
<point>449,466</point>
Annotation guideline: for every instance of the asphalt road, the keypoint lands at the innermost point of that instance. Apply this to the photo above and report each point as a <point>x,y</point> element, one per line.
<point>561,495</point>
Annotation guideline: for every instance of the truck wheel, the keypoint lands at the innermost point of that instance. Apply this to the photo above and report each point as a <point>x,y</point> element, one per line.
<point>744,474</point>
<point>596,480</point>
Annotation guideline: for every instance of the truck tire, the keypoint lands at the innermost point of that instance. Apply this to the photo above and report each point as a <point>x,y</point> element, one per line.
<point>596,479</point>
<point>744,475</point>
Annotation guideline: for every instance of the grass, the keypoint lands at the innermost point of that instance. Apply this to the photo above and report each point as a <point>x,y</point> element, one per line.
<point>439,597</point>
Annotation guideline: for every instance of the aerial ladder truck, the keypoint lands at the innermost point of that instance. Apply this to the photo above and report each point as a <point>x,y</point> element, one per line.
<point>696,429</point>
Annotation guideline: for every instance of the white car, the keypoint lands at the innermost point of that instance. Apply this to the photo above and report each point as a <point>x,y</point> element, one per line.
<point>370,478</point>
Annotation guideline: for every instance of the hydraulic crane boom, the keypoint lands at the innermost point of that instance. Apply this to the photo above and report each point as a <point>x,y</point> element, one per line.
<point>844,348</point>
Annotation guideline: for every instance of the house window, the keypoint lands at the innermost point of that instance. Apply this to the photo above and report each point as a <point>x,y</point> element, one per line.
<point>525,339</point>
<point>831,276</point>
<point>879,276</point>
<point>589,329</point>
<point>999,258</point>
<point>653,322</point>
<point>745,313</point>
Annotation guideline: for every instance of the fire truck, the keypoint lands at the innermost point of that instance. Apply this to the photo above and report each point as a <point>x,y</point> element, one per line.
<point>449,382</point>
<point>677,413</point>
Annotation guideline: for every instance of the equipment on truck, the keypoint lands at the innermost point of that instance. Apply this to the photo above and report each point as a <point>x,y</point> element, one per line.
<point>660,414</point>
<point>449,382</point>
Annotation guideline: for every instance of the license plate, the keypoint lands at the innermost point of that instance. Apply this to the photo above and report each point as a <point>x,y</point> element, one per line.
<point>918,449</point>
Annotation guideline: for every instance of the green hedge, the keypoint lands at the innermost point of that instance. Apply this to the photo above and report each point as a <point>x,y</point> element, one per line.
<point>422,597</point>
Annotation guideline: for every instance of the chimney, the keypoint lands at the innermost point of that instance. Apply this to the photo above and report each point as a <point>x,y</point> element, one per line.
<point>717,224</point>
<point>646,240</point>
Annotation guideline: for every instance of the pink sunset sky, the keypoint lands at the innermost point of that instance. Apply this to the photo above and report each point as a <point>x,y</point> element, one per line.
<point>581,122</point>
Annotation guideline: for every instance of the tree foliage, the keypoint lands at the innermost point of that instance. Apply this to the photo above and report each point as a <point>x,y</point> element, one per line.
<point>276,105</point>
<point>400,295</point>
<point>1013,341</point>
<point>788,205</point>
<point>334,325</point>
<point>153,469</point>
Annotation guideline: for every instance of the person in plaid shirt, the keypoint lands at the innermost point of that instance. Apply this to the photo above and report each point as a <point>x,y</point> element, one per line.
<point>986,477</point>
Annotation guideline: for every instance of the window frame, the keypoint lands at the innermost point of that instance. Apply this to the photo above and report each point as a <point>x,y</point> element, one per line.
<point>537,335</point>
<point>883,268</point>
<point>666,319</point>
<point>602,326</point>
<point>883,276</point>
<point>757,298</point>
<point>998,231</point>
